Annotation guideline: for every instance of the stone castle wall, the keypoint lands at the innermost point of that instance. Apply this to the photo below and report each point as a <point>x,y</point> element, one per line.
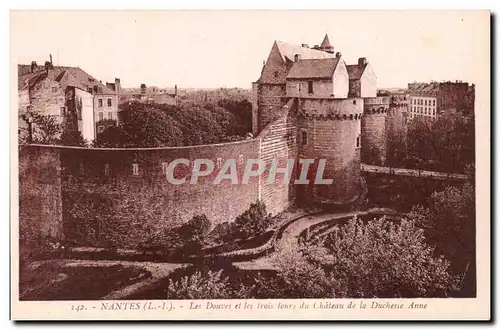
<point>334,136</point>
<point>95,198</point>
<point>279,141</point>
<point>373,126</point>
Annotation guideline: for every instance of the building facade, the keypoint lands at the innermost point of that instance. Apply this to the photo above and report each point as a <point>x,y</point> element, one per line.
<point>434,99</point>
<point>77,100</point>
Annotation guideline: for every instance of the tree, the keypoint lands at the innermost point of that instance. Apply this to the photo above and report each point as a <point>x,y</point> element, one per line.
<point>368,260</point>
<point>149,128</point>
<point>46,129</point>
<point>446,144</point>
<point>111,137</point>
<point>450,222</point>
<point>72,138</point>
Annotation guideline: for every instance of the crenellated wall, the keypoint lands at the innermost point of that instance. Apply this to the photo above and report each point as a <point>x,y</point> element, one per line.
<point>333,132</point>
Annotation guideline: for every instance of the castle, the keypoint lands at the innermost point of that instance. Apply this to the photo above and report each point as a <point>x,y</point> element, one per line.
<point>330,109</point>
<point>307,104</point>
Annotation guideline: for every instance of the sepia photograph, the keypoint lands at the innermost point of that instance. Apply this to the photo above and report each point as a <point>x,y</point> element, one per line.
<point>300,159</point>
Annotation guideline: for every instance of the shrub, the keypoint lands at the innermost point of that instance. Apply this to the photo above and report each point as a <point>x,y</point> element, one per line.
<point>253,221</point>
<point>209,285</point>
<point>73,138</point>
<point>195,229</point>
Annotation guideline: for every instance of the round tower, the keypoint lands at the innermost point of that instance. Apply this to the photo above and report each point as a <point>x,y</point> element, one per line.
<point>330,130</point>
<point>373,132</point>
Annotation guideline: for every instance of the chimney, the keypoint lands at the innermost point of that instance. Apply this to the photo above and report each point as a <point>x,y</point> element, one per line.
<point>338,55</point>
<point>48,69</point>
<point>305,45</point>
<point>362,61</point>
<point>50,56</point>
<point>143,88</point>
<point>118,86</point>
<point>296,57</point>
<point>33,66</point>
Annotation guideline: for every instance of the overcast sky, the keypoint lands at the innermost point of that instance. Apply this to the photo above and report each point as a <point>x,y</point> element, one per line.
<point>226,49</point>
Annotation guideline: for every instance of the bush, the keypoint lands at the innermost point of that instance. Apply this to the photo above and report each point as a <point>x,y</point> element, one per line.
<point>195,229</point>
<point>253,221</point>
<point>209,285</point>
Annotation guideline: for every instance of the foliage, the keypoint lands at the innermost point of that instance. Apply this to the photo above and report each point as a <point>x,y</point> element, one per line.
<point>206,285</point>
<point>46,128</point>
<point>386,259</point>
<point>253,221</point>
<point>193,123</point>
<point>195,229</point>
<point>446,144</point>
<point>72,138</point>
<point>396,147</point>
<point>223,232</point>
<point>301,276</point>
<point>368,260</point>
<point>149,128</point>
<point>449,221</point>
<point>111,137</point>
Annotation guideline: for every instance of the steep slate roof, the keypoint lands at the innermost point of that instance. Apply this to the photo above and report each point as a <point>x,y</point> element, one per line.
<point>28,79</point>
<point>288,52</point>
<point>317,68</point>
<point>355,71</point>
<point>326,42</point>
<point>66,75</point>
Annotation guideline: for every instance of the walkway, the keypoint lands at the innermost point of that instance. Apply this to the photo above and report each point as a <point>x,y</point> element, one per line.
<point>412,172</point>
<point>290,238</point>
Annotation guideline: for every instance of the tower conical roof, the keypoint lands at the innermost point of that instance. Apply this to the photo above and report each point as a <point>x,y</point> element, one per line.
<point>326,42</point>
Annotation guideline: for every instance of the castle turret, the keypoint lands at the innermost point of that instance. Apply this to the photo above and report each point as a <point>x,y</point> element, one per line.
<point>329,129</point>
<point>373,127</point>
<point>326,46</point>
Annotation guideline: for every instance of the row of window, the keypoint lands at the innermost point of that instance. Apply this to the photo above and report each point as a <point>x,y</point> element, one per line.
<point>423,110</point>
<point>100,115</point>
<point>109,102</point>
<point>424,102</point>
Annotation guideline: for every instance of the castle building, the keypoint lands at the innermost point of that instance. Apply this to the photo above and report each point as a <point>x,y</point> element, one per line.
<point>76,99</point>
<point>329,106</point>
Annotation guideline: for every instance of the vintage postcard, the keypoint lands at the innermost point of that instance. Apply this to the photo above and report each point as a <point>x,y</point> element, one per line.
<point>250,165</point>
